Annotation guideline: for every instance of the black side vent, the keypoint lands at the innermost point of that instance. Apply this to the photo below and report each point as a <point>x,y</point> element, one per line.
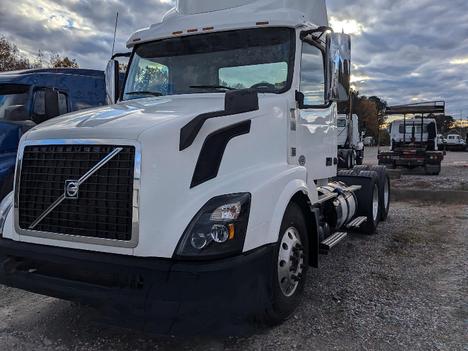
<point>213,149</point>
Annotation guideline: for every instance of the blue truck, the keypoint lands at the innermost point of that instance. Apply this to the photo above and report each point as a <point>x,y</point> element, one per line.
<point>30,97</point>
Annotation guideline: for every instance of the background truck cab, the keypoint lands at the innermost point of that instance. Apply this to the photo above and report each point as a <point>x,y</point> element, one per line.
<point>455,142</point>
<point>30,97</point>
<point>350,144</point>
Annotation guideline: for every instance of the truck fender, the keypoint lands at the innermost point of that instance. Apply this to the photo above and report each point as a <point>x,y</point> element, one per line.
<point>292,188</point>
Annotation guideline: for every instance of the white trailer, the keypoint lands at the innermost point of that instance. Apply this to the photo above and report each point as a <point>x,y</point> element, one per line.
<point>202,196</point>
<point>350,143</point>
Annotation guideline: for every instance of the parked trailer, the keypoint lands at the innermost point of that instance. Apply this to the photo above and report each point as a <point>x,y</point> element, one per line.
<point>30,97</point>
<point>199,200</point>
<point>414,141</point>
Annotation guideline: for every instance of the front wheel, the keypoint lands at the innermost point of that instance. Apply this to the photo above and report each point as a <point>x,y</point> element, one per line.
<point>290,266</point>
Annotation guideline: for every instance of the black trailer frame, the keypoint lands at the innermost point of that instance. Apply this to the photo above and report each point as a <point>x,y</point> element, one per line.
<point>422,108</point>
<point>414,156</point>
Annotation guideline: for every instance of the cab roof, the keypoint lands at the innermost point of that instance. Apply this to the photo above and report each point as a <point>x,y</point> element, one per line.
<point>192,17</point>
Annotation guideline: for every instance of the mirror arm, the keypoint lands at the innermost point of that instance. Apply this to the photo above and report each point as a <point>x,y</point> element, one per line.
<point>322,30</point>
<point>124,54</point>
<point>300,99</point>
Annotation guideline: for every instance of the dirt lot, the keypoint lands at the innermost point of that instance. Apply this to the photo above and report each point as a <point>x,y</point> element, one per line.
<point>403,289</point>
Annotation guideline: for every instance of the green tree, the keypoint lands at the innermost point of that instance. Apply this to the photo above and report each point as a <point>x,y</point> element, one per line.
<point>56,61</point>
<point>444,123</point>
<point>10,57</point>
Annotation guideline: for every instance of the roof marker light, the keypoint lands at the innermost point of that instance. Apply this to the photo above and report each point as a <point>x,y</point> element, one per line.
<point>194,30</point>
<point>178,32</point>
<point>208,28</point>
<point>263,23</point>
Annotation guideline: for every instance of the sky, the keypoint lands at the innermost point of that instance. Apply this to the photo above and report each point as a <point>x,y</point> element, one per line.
<point>403,51</point>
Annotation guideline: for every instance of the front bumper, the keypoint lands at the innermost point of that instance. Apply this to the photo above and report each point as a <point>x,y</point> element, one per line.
<point>154,295</point>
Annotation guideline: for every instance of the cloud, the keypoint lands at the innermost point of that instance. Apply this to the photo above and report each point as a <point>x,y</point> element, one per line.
<point>402,50</point>
<point>459,61</point>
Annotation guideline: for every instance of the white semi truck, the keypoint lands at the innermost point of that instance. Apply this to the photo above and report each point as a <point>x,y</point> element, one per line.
<point>202,196</point>
<point>350,143</point>
<point>454,142</point>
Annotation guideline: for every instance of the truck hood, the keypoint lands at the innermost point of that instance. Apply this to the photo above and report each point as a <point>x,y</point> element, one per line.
<point>128,120</point>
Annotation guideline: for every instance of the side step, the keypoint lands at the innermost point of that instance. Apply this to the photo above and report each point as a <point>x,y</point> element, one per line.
<point>331,241</point>
<point>357,222</point>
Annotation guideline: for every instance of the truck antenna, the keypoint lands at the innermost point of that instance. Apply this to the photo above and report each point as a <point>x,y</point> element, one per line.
<point>115,32</point>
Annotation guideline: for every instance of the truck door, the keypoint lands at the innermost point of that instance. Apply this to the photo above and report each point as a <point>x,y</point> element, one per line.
<point>316,127</point>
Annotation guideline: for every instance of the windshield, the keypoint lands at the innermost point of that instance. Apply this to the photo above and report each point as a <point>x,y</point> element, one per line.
<point>13,102</point>
<point>409,129</point>
<point>253,58</point>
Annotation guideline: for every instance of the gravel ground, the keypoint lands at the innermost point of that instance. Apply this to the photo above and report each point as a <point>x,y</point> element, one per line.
<point>403,289</point>
<point>450,178</point>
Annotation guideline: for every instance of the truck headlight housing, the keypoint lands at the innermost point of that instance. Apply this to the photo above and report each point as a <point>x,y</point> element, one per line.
<point>218,230</point>
<point>5,207</point>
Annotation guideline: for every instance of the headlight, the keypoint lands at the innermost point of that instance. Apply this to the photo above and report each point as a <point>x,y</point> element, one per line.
<point>5,207</point>
<point>218,230</point>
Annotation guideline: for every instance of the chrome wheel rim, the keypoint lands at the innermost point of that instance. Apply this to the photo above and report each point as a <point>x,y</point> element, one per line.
<point>386,194</point>
<point>290,262</point>
<point>375,203</point>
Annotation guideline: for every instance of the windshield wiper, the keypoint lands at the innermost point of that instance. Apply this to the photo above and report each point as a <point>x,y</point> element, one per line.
<point>209,87</point>
<point>153,93</point>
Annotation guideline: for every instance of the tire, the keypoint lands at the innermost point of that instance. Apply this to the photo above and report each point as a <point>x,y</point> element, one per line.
<point>286,296</point>
<point>359,168</point>
<point>353,158</point>
<point>346,172</point>
<point>433,169</point>
<point>350,161</point>
<point>369,202</point>
<point>384,190</point>
<point>359,160</point>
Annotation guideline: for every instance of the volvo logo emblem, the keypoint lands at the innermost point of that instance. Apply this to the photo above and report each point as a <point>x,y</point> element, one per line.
<point>72,188</point>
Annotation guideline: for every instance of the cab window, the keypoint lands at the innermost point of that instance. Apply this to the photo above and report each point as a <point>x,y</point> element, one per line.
<point>312,75</point>
<point>39,113</point>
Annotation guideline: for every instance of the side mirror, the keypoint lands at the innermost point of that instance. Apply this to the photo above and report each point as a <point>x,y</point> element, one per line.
<point>112,81</point>
<point>339,66</point>
<point>15,113</point>
<point>51,103</point>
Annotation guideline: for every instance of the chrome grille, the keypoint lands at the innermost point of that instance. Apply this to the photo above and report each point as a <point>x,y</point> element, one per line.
<point>104,207</point>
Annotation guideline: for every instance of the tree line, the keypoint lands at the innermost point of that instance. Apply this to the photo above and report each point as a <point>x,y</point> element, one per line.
<point>11,59</point>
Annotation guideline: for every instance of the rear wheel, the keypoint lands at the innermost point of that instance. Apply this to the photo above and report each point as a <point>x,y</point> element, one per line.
<point>384,190</point>
<point>359,168</point>
<point>369,202</point>
<point>433,169</point>
<point>290,266</point>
